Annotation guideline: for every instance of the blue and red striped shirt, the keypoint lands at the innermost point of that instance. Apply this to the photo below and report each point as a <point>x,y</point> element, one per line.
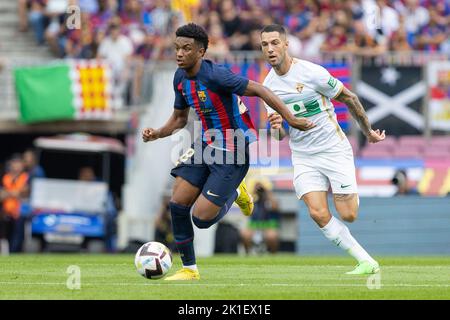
<point>213,94</point>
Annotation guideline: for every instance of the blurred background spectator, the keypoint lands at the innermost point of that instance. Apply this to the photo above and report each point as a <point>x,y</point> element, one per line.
<point>367,27</point>
<point>400,180</point>
<point>263,224</point>
<point>32,167</point>
<point>117,50</point>
<point>15,190</point>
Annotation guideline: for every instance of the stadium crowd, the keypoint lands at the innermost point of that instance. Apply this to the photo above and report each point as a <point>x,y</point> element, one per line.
<point>122,29</point>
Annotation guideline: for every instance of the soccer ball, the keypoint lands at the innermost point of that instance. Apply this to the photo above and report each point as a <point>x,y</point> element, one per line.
<point>153,260</point>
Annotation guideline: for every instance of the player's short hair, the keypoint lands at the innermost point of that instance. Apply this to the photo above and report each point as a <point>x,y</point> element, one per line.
<point>194,31</point>
<point>275,28</point>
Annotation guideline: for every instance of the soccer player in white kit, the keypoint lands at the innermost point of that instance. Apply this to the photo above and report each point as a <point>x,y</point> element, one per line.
<point>321,156</point>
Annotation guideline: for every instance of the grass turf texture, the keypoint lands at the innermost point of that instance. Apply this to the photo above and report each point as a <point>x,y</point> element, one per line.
<point>224,277</point>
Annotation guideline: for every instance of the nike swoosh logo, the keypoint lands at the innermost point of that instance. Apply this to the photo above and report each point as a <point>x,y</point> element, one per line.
<point>343,187</point>
<point>209,193</point>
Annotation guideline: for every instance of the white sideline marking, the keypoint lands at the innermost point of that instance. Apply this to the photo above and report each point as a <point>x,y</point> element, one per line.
<point>222,285</point>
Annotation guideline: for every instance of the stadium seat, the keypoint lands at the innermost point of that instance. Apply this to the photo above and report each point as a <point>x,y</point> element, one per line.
<point>408,152</point>
<point>414,140</point>
<point>375,153</point>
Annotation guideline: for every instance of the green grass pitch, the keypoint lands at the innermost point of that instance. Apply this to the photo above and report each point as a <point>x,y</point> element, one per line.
<point>224,277</point>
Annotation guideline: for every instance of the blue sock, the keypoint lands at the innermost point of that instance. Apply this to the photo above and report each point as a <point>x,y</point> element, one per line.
<point>183,232</point>
<point>204,224</point>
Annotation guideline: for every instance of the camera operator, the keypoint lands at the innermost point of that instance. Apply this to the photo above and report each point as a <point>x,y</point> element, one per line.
<point>264,220</point>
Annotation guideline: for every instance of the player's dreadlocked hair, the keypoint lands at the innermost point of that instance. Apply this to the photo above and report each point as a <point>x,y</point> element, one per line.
<point>192,30</point>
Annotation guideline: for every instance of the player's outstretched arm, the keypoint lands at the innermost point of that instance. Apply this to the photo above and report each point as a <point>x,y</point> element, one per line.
<point>357,111</point>
<point>177,120</point>
<point>257,89</point>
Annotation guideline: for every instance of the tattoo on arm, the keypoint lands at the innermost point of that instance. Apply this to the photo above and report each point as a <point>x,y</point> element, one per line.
<point>356,109</point>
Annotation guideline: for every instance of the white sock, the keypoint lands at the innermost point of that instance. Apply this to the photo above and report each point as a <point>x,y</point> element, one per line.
<point>338,233</point>
<point>192,267</point>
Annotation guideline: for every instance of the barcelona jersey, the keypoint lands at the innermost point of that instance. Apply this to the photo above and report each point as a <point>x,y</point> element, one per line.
<point>214,95</point>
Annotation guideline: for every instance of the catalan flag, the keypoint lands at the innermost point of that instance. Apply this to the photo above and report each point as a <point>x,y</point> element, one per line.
<point>80,89</point>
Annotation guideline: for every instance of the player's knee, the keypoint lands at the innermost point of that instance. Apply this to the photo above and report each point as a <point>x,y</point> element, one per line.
<point>181,201</point>
<point>350,215</point>
<point>202,224</point>
<point>318,213</point>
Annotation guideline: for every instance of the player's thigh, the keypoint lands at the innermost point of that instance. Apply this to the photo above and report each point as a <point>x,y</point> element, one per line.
<point>339,168</point>
<point>184,193</point>
<point>205,209</point>
<point>190,179</point>
<point>220,185</point>
<point>223,181</point>
<point>342,176</point>
<point>317,203</point>
<point>347,205</point>
<point>308,178</point>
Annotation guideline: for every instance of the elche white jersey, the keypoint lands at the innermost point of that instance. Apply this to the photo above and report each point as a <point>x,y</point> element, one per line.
<point>307,89</point>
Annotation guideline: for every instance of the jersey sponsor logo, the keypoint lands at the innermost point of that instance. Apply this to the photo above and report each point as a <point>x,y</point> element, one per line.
<point>345,186</point>
<point>201,95</point>
<point>332,82</point>
<point>304,110</point>
<point>209,193</point>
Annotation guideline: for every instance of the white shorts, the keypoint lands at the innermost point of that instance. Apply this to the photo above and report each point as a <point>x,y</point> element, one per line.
<point>316,172</point>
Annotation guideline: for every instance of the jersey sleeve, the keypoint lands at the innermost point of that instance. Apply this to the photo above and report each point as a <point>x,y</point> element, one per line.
<point>325,83</point>
<point>229,81</point>
<point>180,101</point>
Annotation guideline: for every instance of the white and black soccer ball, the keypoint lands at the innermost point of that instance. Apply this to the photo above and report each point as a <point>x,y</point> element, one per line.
<point>153,260</point>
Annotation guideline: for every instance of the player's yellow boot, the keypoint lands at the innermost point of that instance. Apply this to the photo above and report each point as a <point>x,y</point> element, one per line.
<point>184,274</point>
<point>245,200</point>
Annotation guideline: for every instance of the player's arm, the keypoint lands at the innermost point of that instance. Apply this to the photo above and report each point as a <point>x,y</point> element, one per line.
<point>357,111</point>
<point>177,120</point>
<point>272,100</point>
<point>276,126</point>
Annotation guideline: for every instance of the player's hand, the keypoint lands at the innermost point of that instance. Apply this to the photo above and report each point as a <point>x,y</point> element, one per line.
<point>276,121</point>
<point>302,124</point>
<point>149,134</point>
<point>375,136</point>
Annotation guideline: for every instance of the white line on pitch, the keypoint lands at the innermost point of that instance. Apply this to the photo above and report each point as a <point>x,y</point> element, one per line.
<point>222,285</point>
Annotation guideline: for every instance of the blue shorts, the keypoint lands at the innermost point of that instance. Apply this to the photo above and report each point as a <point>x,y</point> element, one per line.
<point>218,181</point>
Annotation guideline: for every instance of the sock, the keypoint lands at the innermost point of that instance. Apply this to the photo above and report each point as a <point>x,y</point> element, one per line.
<point>238,192</point>
<point>204,224</point>
<point>338,233</point>
<point>192,267</point>
<point>183,232</point>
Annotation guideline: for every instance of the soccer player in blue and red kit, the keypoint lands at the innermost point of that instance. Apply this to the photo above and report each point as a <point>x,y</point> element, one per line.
<point>209,177</point>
